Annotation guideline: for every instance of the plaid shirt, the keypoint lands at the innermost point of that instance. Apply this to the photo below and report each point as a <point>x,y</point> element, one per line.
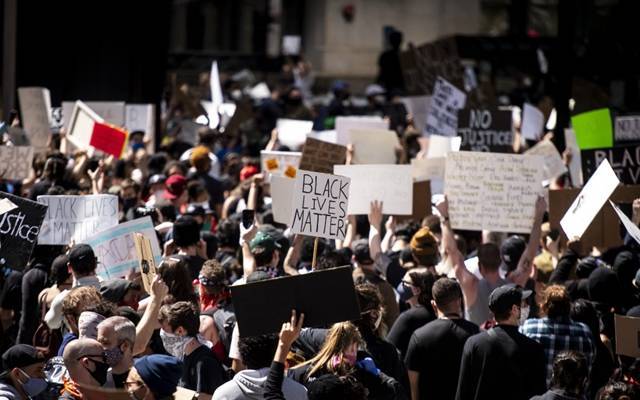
<point>557,335</point>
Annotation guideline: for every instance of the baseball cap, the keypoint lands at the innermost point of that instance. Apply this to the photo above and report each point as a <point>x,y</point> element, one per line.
<point>176,185</point>
<point>81,256</point>
<point>511,251</point>
<point>20,356</point>
<point>247,172</point>
<point>361,252</point>
<point>506,296</point>
<point>263,239</point>
<point>195,209</point>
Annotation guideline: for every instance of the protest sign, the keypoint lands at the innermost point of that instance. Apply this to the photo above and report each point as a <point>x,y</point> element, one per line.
<point>214,84</point>
<point>305,293</point>
<point>418,107</point>
<point>625,161</point>
<point>280,163</point>
<point>442,117</point>
<point>321,156</point>
<point>80,127</point>
<point>590,200</point>
<point>627,336</point>
<point>319,205</point>
<point>146,259</point>
<point>77,217</point>
<point>142,117</point>
<point>345,124</point>
<point>439,146</point>
<point>374,146</point>
<point>35,108</point>
<point>532,122</point>
<point>113,112</point>
<point>116,250</point>
<point>6,205</point>
<point>492,191</point>
<point>631,228</point>
<point>627,128</point>
<point>330,136</point>
<point>486,129</point>
<point>553,165</point>
<point>282,198</point>
<point>593,129</point>
<point>292,132</point>
<point>425,169</point>
<point>19,230</point>
<point>390,184</point>
<point>421,202</point>
<point>15,162</point>
<point>109,138</point>
<point>575,165</point>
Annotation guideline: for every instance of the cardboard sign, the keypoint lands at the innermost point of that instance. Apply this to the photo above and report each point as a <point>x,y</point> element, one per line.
<point>35,109</point>
<point>319,205</point>
<point>321,156</point>
<point>553,165</point>
<point>292,132</point>
<point>627,336</point>
<point>115,247</point>
<point>147,258</point>
<point>593,129</point>
<point>15,162</point>
<point>109,139</point>
<point>345,124</point>
<point>77,217</point>
<point>488,130</point>
<point>19,230</point>
<point>391,184</point>
<point>81,125</point>
<point>442,117</point>
<point>590,200</point>
<point>492,191</point>
<point>282,198</point>
<point>631,228</point>
<point>418,107</point>
<point>532,122</point>
<point>625,161</point>
<point>575,166</point>
<point>280,163</point>
<point>142,117</point>
<point>374,146</point>
<point>304,293</point>
<point>627,128</point>
<point>421,202</point>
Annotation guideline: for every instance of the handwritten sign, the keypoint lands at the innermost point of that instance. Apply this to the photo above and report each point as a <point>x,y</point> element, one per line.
<point>115,247</point>
<point>532,122</point>
<point>627,128</point>
<point>320,205</point>
<point>15,162</point>
<point>391,184</point>
<point>374,146</point>
<point>492,191</point>
<point>77,217</point>
<point>590,200</point>
<point>442,118</point>
<point>321,156</point>
<point>35,106</point>
<point>345,124</point>
<point>553,165</point>
<point>625,161</point>
<point>292,132</point>
<point>19,229</point>
<point>280,163</point>
<point>486,129</point>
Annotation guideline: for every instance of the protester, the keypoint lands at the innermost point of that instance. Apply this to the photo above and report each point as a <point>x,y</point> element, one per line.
<point>569,377</point>
<point>154,377</point>
<point>117,336</point>
<point>87,367</point>
<point>23,376</point>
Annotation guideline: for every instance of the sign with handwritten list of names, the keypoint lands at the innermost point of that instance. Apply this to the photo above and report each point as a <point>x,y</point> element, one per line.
<point>492,191</point>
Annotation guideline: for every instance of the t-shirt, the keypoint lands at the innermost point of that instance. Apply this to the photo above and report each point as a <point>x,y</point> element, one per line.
<point>435,351</point>
<point>202,372</point>
<point>406,324</point>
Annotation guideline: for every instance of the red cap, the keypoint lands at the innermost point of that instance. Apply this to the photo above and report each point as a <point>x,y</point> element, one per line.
<point>176,184</point>
<point>247,172</point>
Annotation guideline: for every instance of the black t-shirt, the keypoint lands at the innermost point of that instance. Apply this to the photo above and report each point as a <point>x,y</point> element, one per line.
<point>406,324</point>
<point>11,290</point>
<point>194,262</point>
<point>202,372</point>
<point>33,282</point>
<point>435,351</point>
<point>120,379</point>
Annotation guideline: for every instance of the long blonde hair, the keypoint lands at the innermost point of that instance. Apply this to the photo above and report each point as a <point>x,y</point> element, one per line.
<point>339,338</point>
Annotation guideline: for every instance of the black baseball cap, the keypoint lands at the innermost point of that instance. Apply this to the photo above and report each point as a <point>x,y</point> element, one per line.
<point>511,251</point>
<point>361,252</point>
<point>20,356</point>
<point>506,296</point>
<point>81,256</point>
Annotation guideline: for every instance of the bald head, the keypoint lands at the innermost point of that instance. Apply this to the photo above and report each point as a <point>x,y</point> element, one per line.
<point>80,357</point>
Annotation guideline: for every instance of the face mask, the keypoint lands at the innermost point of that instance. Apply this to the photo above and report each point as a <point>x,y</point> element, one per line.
<point>524,314</point>
<point>174,344</point>
<point>113,356</point>
<point>137,146</point>
<point>100,373</point>
<point>404,291</point>
<point>33,386</point>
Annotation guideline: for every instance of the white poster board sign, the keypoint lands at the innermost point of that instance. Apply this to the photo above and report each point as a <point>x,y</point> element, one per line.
<point>627,128</point>
<point>391,184</point>
<point>116,250</point>
<point>418,107</point>
<point>282,198</point>
<point>345,124</point>
<point>439,146</point>
<point>35,109</point>
<point>575,166</point>
<point>374,146</point>
<point>319,205</point>
<point>111,111</point>
<point>292,132</point>
<point>492,191</point>
<point>81,125</point>
<point>15,162</point>
<point>442,117</point>
<point>590,200</point>
<point>142,117</point>
<point>631,228</point>
<point>532,122</point>
<point>553,165</point>
<point>280,163</point>
<point>77,217</point>
<point>427,169</point>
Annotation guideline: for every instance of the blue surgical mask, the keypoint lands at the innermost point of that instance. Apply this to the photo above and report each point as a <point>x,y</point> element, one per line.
<point>33,386</point>
<point>404,291</point>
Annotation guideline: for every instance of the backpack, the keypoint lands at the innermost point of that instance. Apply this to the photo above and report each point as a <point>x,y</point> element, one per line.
<point>45,339</point>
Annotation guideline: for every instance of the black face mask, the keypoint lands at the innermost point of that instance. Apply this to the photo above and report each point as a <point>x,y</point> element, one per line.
<point>100,373</point>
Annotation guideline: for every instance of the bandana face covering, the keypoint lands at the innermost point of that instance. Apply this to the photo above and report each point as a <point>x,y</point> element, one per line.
<point>174,344</point>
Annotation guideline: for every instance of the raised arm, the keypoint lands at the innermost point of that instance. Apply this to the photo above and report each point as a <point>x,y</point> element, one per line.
<point>525,265</point>
<point>293,256</point>
<point>389,234</point>
<point>149,321</point>
<point>248,262</point>
<point>252,201</point>
<point>288,334</point>
<point>375,221</point>
<point>348,237</point>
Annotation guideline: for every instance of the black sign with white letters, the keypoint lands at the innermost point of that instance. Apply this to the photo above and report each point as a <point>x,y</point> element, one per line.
<point>19,229</point>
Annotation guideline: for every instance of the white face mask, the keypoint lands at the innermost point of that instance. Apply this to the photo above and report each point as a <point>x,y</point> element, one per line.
<point>174,344</point>
<point>524,314</point>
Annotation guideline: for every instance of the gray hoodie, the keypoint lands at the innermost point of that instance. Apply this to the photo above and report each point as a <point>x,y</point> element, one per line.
<point>249,384</point>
